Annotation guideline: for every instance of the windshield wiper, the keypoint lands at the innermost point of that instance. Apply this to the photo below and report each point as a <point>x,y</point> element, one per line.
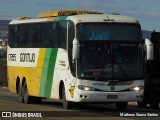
<point>101,72</point>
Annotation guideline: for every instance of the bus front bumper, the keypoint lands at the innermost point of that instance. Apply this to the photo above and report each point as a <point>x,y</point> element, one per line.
<point>92,96</point>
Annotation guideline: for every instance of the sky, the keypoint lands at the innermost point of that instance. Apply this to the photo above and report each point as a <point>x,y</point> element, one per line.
<point>146,11</point>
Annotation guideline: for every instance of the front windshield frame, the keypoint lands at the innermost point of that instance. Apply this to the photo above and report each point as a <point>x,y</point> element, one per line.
<point>113,41</point>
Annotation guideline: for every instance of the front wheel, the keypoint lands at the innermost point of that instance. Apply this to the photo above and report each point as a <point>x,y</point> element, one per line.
<point>121,106</point>
<point>66,104</point>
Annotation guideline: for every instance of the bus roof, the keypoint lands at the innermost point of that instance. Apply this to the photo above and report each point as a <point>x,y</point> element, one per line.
<point>102,18</point>
<point>76,16</point>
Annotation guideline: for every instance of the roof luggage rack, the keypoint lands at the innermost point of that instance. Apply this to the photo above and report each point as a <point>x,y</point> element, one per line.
<point>65,13</point>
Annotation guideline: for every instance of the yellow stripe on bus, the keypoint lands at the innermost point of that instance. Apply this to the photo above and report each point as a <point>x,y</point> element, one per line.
<point>38,73</point>
<point>41,56</point>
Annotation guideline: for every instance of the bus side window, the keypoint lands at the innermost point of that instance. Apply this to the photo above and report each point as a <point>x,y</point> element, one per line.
<point>54,37</point>
<point>62,33</point>
<point>22,41</point>
<point>29,35</point>
<point>45,35</point>
<point>11,36</point>
<point>16,36</point>
<point>49,36</point>
<point>36,35</point>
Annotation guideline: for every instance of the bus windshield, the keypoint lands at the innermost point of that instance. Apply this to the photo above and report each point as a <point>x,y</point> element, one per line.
<point>108,31</point>
<point>111,60</point>
<point>113,51</point>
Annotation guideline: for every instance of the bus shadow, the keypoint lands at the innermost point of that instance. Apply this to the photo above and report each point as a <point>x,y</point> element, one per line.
<point>100,107</point>
<point>81,106</point>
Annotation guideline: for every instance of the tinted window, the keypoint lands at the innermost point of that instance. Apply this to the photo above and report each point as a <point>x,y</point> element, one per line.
<point>108,31</point>
<point>38,35</point>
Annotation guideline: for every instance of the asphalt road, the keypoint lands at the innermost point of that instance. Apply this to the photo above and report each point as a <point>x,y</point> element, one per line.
<point>50,108</point>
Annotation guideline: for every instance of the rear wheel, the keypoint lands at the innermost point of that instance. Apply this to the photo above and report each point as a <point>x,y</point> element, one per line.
<point>121,106</point>
<point>66,104</point>
<point>27,98</point>
<point>20,94</point>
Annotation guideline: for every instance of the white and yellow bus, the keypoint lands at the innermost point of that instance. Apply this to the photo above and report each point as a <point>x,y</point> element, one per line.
<point>76,56</point>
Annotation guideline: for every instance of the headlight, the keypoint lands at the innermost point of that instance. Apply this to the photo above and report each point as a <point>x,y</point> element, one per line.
<point>86,88</point>
<point>138,88</point>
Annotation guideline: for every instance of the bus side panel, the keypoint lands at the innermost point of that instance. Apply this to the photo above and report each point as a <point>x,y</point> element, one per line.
<point>61,73</point>
<point>48,72</point>
<point>58,74</point>
<point>36,73</point>
<point>34,83</point>
<point>30,71</point>
<point>23,73</point>
<point>30,75</point>
<point>11,79</point>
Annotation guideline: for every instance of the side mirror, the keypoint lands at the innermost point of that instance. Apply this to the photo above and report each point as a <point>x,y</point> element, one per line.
<point>149,49</point>
<point>75,50</point>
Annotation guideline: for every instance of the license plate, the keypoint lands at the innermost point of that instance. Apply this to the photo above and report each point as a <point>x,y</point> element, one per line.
<point>112,96</point>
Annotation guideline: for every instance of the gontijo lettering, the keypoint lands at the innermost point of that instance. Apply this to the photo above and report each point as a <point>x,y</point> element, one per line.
<point>27,57</point>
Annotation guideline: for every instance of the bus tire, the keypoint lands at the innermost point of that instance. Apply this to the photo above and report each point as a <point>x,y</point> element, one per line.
<point>66,104</point>
<point>121,106</point>
<point>27,98</point>
<point>20,94</point>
